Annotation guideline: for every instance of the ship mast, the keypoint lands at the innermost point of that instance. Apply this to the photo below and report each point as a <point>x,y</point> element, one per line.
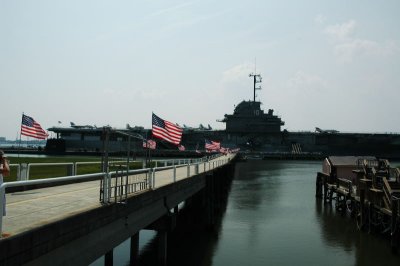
<point>256,79</point>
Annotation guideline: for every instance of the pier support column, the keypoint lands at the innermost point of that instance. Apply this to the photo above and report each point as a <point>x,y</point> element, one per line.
<point>362,208</point>
<point>326,190</point>
<point>162,247</point>
<point>209,197</point>
<point>134,251</point>
<point>163,226</point>
<point>318,185</point>
<point>109,258</point>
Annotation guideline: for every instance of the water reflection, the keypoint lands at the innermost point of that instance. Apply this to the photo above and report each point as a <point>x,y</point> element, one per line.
<point>192,242</point>
<point>340,231</point>
<point>272,218</point>
<point>250,183</point>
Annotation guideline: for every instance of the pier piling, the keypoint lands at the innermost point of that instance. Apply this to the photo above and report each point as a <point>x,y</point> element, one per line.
<point>134,250</point>
<point>162,247</point>
<point>109,258</point>
<point>394,230</point>
<point>318,185</point>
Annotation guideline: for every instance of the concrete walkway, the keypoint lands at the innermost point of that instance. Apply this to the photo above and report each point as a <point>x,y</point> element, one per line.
<point>33,208</point>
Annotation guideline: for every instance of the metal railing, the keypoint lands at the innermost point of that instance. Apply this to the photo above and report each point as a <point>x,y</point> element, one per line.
<point>117,185</point>
<point>24,169</point>
<point>122,183</point>
<point>38,181</point>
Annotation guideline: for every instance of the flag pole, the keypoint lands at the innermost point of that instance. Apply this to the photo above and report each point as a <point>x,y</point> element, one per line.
<point>149,154</point>
<point>20,136</point>
<point>148,149</point>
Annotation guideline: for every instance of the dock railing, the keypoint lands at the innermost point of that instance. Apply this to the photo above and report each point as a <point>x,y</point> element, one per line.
<point>39,181</point>
<point>115,186</point>
<point>23,170</point>
<point>121,183</point>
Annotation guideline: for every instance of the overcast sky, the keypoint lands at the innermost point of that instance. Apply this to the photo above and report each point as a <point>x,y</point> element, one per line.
<point>327,64</point>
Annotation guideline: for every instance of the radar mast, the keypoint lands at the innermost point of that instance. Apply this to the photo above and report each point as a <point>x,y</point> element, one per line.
<point>256,79</point>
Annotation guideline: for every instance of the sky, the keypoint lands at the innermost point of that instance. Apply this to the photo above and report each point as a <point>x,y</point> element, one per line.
<point>327,64</point>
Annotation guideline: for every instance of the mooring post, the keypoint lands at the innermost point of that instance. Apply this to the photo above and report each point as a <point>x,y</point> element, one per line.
<point>325,189</point>
<point>108,258</point>
<point>318,186</point>
<point>134,251</point>
<point>394,230</point>
<point>362,207</point>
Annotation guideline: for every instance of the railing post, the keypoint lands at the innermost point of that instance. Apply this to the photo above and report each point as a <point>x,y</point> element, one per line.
<point>188,169</point>
<point>75,168</point>
<point>70,169</point>
<point>143,164</point>
<point>109,187</point>
<point>19,172</point>
<point>105,190</point>
<point>28,169</point>
<point>174,173</point>
<point>150,178</point>
<point>154,177</point>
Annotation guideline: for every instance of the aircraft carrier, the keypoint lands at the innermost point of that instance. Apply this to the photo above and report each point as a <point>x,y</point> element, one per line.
<point>248,128</point>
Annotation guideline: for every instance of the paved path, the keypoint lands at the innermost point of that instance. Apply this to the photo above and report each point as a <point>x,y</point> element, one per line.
<point>30,209</point>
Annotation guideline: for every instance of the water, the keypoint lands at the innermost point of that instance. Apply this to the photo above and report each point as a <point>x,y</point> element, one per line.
<point>271,218</point>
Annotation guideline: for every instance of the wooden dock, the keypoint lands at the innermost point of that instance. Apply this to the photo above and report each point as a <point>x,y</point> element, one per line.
<point>371,195</point>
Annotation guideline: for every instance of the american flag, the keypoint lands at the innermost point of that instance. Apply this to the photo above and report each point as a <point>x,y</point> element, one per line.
<point>149,144</point>
<point>31,128</point>
<point>181,147</point>
<point>212,145</point>
<point>166,130</point>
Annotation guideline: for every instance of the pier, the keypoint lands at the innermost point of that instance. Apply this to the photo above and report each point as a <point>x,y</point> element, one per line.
<point>77,223</point>
<point>366,188</point>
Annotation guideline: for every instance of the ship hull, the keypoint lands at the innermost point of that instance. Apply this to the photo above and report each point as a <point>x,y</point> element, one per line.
<point>326,144</point>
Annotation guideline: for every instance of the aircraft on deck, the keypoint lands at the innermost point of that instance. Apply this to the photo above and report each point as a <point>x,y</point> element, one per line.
<point>331,131</point>
<point>134,128</point>
<point>200,128</point>
<point>73,125</point>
